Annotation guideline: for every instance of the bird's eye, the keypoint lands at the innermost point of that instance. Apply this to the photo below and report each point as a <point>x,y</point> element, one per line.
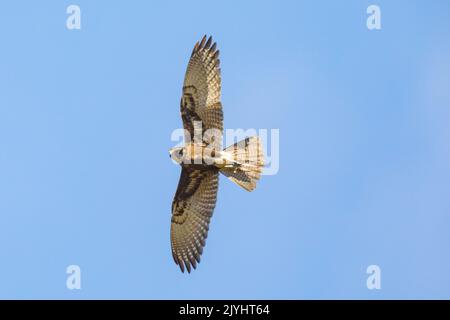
<point>181,152</point>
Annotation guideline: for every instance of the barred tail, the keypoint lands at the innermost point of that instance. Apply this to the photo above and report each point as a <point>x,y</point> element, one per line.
<point>247,162</point>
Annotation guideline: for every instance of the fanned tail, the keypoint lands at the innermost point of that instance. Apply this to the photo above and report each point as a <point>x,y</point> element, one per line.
<point>247,162</point>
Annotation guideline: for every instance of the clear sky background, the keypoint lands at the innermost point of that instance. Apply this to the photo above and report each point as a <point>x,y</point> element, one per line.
<point>364,118</point>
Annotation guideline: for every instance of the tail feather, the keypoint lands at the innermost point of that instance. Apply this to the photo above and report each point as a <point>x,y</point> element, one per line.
<point>248,161</point>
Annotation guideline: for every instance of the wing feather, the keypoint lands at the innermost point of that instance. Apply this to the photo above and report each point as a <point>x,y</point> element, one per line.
<point>202,88</point>
<point>192,209</point>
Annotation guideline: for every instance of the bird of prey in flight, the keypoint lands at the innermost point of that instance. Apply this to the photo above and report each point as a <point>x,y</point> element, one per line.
<point>202,158</point>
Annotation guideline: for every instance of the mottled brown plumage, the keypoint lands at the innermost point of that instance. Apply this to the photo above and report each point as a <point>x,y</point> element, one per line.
<point>196,195</point>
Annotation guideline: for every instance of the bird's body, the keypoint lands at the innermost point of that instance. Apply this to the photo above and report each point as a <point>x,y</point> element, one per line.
<point>202,157</point>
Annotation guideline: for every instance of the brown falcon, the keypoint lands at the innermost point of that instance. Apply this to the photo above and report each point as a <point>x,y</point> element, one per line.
<point>202,159</point>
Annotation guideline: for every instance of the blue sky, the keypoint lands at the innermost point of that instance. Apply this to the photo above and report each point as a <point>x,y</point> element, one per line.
<point>364,118</point>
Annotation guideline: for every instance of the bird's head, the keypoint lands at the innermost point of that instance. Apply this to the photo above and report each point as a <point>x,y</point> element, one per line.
<point>176,153</point>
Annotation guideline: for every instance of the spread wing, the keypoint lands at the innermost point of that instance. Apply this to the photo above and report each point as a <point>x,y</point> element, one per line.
<point>201,89</point>
<point>192,208</point>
